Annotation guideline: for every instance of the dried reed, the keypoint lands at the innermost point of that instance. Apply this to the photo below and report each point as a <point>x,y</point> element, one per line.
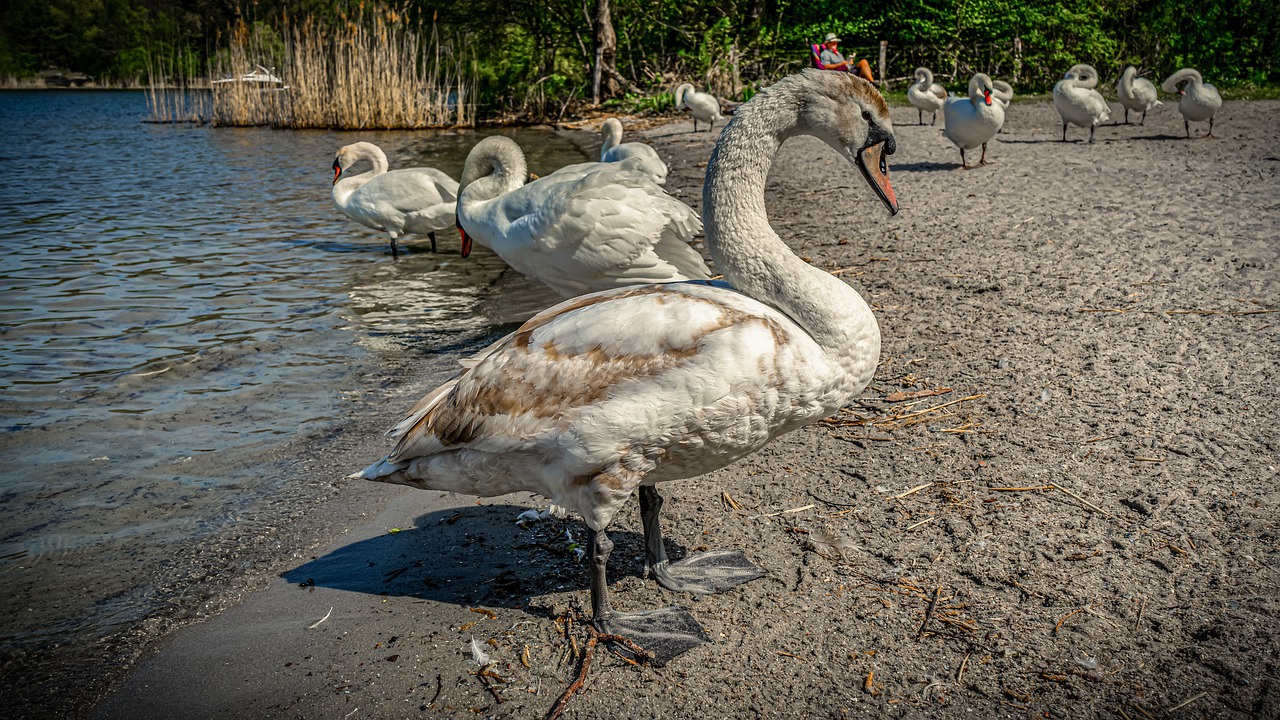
<point>374,69</point>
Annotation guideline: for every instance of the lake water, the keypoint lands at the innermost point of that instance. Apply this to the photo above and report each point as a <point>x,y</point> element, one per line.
<point>177,302</point>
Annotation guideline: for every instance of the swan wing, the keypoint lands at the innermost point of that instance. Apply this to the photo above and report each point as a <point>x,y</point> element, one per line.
<point>606,228</point>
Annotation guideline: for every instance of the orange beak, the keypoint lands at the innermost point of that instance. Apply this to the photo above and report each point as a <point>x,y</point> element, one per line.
<point>986,95</point>
<point>871,161</point>
<point>465,250</point>
<point>337,170</point>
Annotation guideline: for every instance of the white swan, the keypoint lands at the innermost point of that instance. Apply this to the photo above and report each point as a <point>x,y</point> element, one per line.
<point>585,227</point>
<point>1077,101</point>
<point>703,106</point>
<point>972,121</point>
<point>926,95</point>
<point>614,150</point>
<point>1136,94</point>
<point>418,200</point>
<point>614,392</point>
<point>1198,100</point>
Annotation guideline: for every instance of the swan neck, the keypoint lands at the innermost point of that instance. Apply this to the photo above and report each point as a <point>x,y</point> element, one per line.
<point>744,246</point>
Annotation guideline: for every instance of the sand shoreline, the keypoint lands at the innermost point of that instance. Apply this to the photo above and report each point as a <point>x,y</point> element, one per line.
<point>1093,526</point>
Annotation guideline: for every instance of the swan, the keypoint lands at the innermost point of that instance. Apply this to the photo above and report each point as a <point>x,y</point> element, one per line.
<point>614,150</point>
<point>926,95</point>
<point>418,200</point>
<point>1198,100</point>
<point>1136,94</point>
<point>703,106</point>
<point>1078,102</point>
<point>585,227</point>
<point>617,391</point>
<point>972,121</point>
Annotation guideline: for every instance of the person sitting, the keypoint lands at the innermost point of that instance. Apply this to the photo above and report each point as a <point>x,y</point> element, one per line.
<point>831,59</point>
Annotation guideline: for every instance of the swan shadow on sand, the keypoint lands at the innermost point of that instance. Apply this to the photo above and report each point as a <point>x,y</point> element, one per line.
<point>923,166</point>
<point>469,556</point>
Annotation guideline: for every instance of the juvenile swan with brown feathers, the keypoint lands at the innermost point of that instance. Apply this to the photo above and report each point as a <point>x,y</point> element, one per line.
<point>612,393</point>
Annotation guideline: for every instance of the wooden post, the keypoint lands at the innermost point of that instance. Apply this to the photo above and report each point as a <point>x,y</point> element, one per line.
<point>1017,59</point>
<point>884,47</point>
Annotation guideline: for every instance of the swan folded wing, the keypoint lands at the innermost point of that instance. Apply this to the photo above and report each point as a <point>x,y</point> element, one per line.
<point>637,379</point>
<point>605,227</point>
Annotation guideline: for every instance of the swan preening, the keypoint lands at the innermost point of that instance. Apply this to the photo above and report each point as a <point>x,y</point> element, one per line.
<point>1198,100</point>
<point>1078,102</point>
<point>614,150</point>
<point>611,393</point>
<point>703,106</point>
<point>586,227</point>
<point>926,95</point>
<point>972,121</point>
<point>1136,94</point>
<point>418,200</point>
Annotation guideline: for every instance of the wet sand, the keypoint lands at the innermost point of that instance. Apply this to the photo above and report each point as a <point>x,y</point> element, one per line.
<point>1080,522</point>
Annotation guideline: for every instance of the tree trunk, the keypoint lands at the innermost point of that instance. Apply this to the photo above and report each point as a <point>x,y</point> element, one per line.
<point>604,81</point>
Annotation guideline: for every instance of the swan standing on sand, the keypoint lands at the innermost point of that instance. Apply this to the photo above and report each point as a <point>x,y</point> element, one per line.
<point>703,106</point>
<point>926,95</point>
<point>1198,100</point>
<point>586,227</point>
<point>614,150</point>
<point>614,392</point>
<point>1136,94</point>
<point>416,201</point>
<point>1078,102</point>
<point>973,120</point>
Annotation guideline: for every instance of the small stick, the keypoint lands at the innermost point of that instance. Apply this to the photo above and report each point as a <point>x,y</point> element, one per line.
<point>316,624</point>
<point>963,664</point>
<point>912,491</point>
<point>1143,606</point>
<point>922,522</point>
<point>792,510</point>
<point>1088,504</point>
<point>1142,710</point>
<point>928,612</point>
<point>1185,703</point>
<point>484,680</point>
<point>1064,618</point>
<point>439,689</point>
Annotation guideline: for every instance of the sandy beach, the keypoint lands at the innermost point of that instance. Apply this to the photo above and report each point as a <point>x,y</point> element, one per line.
<point>1058,498</point>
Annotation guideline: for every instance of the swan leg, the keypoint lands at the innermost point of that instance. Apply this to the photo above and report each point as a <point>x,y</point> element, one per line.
<point>432,235</point>
<point>666,633</point>
<point>934,121</point>
<point>395,251</point>
<point>1064,132</point>
<point>963,164</point>
<point>1091,129</point>
<point>1210,128</point>
<point>920,116</point>
<point>1187,124</point>
<point>983,160</point>
<point>1126,115</point>
<point>1144,118</point>
<point>706,573</point>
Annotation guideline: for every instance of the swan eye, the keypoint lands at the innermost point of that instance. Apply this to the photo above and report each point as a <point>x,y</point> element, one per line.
<point>866,116</point>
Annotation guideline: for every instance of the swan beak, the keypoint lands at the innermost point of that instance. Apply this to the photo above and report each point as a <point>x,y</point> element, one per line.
<point>337,170</point>
<point>986,95</point>
<point>465,250</point>
<point>872,164</point>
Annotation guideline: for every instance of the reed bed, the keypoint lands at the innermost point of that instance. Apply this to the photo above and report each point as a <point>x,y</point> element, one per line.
<point>174,95</point>
<point>376,69</point>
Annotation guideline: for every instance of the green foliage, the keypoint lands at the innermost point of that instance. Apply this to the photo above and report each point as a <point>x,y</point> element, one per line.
<point>536,57</point>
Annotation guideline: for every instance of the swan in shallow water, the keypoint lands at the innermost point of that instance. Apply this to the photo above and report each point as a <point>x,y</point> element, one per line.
<point>926,95</point>
<point>703,106</point>
<point>586,227</point>
<point>614,392</point>
<point>1198,100</point>
<point>1136,94</point>
<point>614,150</point>
<point>1077,101</point>
<point>417,201</point>
<point>972,121</point>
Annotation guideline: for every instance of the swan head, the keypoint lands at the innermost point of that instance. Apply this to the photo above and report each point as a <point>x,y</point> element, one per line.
<point>851,116</point>
<point>980,88</point>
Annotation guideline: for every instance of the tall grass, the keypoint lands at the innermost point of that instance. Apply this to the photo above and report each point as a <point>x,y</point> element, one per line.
<point>173,94</point>
<point>377,68</point>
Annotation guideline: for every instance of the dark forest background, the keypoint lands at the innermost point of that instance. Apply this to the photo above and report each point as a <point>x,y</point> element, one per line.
<point>638,47</point>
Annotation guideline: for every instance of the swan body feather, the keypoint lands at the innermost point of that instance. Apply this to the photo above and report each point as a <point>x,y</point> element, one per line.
<point>586,227</point>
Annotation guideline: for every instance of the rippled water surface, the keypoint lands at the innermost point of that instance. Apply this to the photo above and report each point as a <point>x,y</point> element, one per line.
<point>174,302</point>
